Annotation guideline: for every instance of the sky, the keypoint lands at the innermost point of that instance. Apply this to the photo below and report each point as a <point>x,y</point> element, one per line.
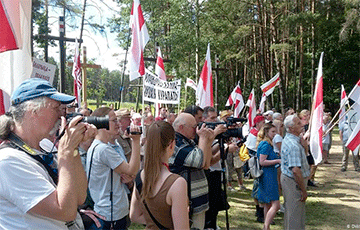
<point>104,50</point>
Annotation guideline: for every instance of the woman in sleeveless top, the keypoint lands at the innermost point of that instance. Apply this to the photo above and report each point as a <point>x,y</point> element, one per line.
<point>164,193</point>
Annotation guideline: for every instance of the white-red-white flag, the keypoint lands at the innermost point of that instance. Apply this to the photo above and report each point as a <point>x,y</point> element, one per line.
<point>159,67</point>
<point>355,93</point>
<point>343,100</point>
<point>354,139</point>
<point>76,73</point>
<point>236,100</point>
<point>262,103</point>
<point>15,39</point>
<point>204,91</point>
<point>190,83</point>
<point>4,102</point>
<point>252,109</point>
<point>269,86</point>
<point>316,131</point>
<point>139,38</point>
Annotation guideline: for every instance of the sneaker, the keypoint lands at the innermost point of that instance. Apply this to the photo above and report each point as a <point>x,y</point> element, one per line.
<point>327,162</point>
<point>312,184</point>
<point>343,169</point>
<point>282,208</point>
<point>231,189</point>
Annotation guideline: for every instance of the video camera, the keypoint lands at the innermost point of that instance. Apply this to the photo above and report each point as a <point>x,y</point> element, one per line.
<point>230,132</point>
<point>99,122</point>
<point>134,133</point>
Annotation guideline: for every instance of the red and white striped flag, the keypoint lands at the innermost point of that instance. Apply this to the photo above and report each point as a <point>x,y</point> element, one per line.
<point>139,39</point>
<point>252,109</point>
<point>316,130</point>
<point>343,100</point>
<point>76,73</point>
<point>159,67</point>
<point>268,87</point>
<point>354,139</point>
<point>10,36</point>
<point>236,99</point>
<point>4,102</point>
<point>15,39</point>
<point>190,83</point>
<point>204,90</point>
<point>262,103</point>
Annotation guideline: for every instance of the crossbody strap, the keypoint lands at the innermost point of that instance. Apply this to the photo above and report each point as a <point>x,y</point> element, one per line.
<point>139,184</point>
<point>17,143</point>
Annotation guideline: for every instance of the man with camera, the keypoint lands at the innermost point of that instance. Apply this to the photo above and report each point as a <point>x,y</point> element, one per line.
<point>106,164</point>
<point>32,195</point>
<point>217,199</point>
<point>190,160</point>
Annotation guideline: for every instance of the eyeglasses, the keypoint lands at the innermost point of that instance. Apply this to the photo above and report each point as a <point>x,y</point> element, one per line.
<point>194,126</point>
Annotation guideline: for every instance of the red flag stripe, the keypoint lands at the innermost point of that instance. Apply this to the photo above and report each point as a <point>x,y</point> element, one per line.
<point>7,35</point>
<point>273,84</point>
<point>354,143</point>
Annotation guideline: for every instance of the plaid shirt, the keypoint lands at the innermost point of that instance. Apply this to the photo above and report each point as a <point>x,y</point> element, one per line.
<point>188,156</point>
<point>293,155</point>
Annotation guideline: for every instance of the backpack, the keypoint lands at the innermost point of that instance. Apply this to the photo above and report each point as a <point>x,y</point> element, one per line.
<point>255,168</point>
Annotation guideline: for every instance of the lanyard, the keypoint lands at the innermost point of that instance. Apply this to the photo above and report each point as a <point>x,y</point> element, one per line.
<point>17,143</point>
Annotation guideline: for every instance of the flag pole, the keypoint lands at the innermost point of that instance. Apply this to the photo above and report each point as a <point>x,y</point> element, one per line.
<point>342,106</point>
<point>342,116</point>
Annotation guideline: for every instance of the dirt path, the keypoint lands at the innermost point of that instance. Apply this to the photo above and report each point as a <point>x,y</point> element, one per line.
<point>338,191</point>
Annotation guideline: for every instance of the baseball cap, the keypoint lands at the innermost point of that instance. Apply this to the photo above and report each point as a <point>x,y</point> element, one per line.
<point>258,119</point>
<point>36,87</point>
<point>269,112</point>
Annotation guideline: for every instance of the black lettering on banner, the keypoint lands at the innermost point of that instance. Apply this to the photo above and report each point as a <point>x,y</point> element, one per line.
<point>149,92</point>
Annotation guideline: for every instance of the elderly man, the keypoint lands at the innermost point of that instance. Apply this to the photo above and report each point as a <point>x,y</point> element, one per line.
<point>191,160</point>
<point>124,118</point>
<point>294,173</point>
<point>32,196</point>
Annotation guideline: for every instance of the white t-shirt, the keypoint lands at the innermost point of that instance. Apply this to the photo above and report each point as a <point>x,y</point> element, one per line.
<point>24,182</point>
<point>250,142</point>
<point>104,158</point>
<point>277,138</point>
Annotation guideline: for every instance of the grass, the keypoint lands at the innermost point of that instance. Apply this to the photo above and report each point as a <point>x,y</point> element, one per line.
<point>334,204</point>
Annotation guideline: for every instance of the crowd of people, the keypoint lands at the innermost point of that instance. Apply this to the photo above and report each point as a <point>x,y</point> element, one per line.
<point>171,171</point>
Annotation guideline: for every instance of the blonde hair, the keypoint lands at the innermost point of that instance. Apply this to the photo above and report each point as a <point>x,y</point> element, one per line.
<point>162,134</point>
<point>263,134</point>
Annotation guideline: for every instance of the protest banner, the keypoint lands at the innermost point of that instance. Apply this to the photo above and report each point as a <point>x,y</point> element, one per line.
<point>43,70</point>
<point>160,91</point>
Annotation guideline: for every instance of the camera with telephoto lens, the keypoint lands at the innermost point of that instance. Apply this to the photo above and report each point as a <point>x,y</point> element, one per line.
<point>134,133</point>
<point>99,122</point>
<point>230,132</point>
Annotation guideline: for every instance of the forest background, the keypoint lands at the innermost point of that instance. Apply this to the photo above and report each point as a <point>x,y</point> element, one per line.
<point>253,39</point>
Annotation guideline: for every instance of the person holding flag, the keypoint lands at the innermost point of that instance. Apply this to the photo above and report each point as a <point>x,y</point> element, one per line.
<point>344,132</point>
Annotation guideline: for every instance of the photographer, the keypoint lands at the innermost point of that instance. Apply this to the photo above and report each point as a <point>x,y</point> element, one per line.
<point>106,182</point>
<point>192,159</point>
<point>217,199</point>
<point>32,196</point>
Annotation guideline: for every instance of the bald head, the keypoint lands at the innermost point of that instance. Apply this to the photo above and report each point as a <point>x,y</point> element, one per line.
<point>185,124</point>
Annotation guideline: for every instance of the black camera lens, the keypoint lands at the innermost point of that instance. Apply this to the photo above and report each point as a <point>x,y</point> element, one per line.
<point>99,122</point>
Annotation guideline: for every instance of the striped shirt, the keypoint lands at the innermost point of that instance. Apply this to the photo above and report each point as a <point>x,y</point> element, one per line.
<point>187,156</point>
<point>293,155</point>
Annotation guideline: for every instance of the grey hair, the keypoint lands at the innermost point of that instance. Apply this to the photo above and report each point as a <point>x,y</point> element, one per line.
<point>289,122</point>
<point>276,116</point>
<point>17,113</point>
<point>178,121</point>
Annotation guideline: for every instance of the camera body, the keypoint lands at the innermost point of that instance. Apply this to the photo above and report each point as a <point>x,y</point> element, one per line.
<point>99,122</point>
<point>230,132</point>
<point>134,133</point>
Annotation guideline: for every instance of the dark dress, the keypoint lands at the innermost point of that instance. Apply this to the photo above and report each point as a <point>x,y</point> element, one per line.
<point>268,185</point>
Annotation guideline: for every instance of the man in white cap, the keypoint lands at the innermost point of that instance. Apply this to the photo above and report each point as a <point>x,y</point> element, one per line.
<point>268,116</point>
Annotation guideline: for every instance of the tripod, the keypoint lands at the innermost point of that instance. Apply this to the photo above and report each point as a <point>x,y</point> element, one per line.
<point>223,158</point>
